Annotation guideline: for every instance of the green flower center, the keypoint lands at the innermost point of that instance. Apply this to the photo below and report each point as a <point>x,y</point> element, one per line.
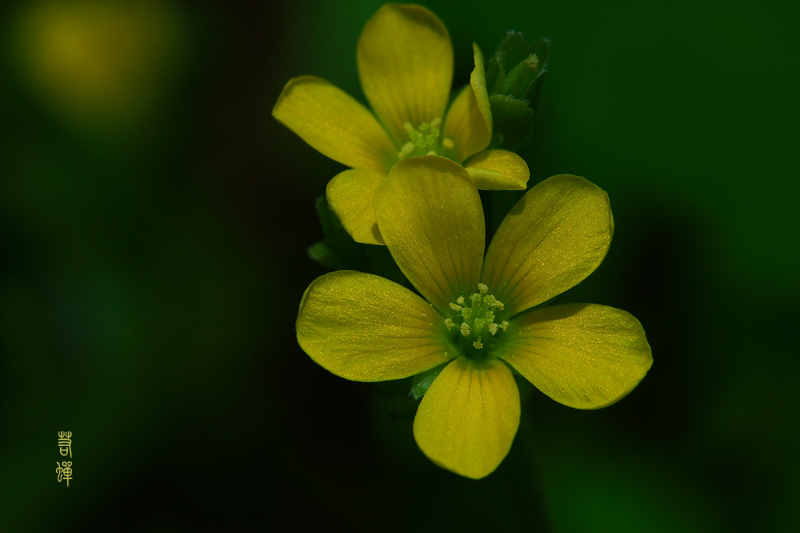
<point>424,140</point>
<point>476,319</point>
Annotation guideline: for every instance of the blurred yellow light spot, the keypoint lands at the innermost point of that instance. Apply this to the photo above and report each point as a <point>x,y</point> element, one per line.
<point>98,62</point>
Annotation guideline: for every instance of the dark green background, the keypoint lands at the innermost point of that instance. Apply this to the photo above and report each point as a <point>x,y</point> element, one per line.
<point>153,261</point>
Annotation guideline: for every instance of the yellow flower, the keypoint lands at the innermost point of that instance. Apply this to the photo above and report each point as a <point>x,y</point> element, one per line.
<point>478,317</point>
<point>405,63</point>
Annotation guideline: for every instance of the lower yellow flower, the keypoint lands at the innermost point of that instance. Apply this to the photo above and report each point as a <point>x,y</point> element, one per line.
<point>478,317</point>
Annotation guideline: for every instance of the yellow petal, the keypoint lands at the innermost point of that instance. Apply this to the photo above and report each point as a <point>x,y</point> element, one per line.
<point>367,328</point>
<point>430,216</point>
<point>498,170</point>
<point>469,119</point>
<point>350,194</point>
<point>467,420</point>
<point>582,355</point>
<point>555,236</point>
<point>334,124</point>
<point>405,61</point>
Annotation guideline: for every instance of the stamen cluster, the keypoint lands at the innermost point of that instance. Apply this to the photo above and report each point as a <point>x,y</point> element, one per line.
<point>424,140</point>
<point>478,316</point>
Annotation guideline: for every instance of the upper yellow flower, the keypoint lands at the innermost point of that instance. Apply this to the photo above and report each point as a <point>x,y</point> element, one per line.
<point>405,63</point>
<point>366,328</point>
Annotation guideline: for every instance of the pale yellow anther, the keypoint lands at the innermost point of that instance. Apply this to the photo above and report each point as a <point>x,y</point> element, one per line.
<point>493,328</point>
<point>460,300</point>
<point>499,305</point>
<point>449,144</point>
<point>465,329</point>
<point>406,150</point>
<point>455,307</point>
<point>504,325</point>
<point>477,344</point>
<point>449,323</point>
<point>483,288</point>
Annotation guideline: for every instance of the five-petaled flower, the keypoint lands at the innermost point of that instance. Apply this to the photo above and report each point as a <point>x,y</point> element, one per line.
<point>405,63</point>
<point>478,317</point>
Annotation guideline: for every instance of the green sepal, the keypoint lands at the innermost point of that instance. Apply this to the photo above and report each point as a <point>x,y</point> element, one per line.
<point>522,77</point>
<point>421,382</point>
<point>514,50</point>
<point>513,121</point>
<point>514,77</point>
<point>337,250</point>
<point>322,254</point>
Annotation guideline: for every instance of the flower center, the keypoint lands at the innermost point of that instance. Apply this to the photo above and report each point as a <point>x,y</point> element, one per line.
<point>424,140</point>
<point>477,317</point>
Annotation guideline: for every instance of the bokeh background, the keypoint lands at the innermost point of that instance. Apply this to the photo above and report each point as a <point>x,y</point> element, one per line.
<point>154,226</point>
